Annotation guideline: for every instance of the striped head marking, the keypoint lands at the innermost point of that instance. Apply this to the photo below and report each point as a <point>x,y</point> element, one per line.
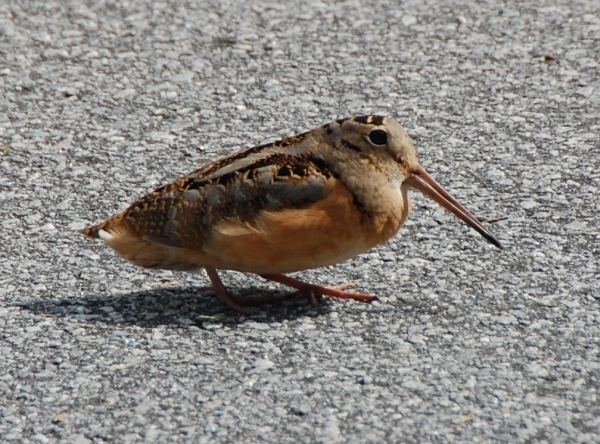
<point>380,137</point>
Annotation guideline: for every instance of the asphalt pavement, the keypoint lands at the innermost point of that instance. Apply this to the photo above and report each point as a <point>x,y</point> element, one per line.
<point>101,102</point>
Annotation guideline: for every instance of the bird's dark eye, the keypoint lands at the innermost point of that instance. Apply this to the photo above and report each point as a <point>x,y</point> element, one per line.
<point>378,137</point>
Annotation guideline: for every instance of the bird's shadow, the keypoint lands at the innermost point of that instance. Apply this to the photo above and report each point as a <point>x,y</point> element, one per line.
<point>176,306</point>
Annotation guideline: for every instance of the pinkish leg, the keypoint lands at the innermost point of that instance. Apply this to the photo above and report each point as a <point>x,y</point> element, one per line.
<point>314,290</point>
<point>236,301</point>
<point>222,293</point>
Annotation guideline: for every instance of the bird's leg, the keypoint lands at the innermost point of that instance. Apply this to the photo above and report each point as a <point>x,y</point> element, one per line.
<point>235,301</point>
<point>314,290</point>
<point>312,295</point>
<point>222,293</point>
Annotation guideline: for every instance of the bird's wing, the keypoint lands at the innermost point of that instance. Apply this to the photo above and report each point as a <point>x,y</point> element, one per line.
<point>185,213</point>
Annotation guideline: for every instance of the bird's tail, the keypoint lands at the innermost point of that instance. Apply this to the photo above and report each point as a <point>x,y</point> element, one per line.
<point>142,250</point>
<point>107,225</point>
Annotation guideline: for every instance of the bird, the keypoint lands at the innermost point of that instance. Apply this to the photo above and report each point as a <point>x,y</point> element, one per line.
<point>303,202</point>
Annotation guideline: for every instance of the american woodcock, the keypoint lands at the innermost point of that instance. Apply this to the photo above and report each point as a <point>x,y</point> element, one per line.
<point>308,201</point>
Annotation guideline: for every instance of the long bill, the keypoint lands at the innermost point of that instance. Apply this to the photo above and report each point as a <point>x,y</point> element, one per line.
<point>423,182</point>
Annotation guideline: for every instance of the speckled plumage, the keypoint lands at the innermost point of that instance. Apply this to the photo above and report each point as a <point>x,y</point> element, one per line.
<point>307,201</point>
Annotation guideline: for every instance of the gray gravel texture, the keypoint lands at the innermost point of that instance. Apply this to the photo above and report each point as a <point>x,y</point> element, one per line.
<point>102,101</point>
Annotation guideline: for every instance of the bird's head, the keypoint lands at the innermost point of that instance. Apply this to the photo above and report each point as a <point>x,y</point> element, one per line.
<point>384,139</point>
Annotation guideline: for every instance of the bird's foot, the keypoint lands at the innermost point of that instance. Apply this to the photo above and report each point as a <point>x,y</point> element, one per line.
<point>316,290</point>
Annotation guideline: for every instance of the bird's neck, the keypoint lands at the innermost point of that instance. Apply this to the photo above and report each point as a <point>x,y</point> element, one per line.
<point>382,199</point>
